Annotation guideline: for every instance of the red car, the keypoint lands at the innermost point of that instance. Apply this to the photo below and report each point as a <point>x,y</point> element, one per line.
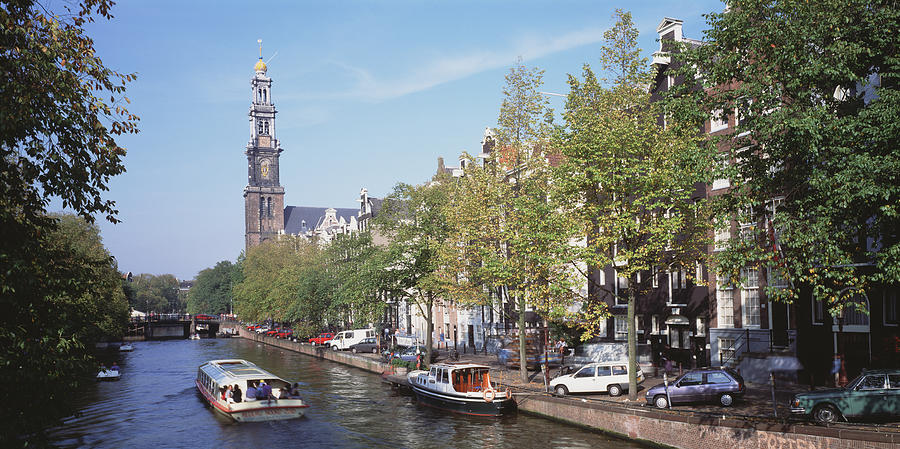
<point>252,327</point>
<point>272,332</point>
<point>284,333</point>
<point>322,338</point>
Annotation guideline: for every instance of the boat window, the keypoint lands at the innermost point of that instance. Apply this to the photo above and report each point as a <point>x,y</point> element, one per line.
<point>444,378</point>
<point>433,372</point>
<point>587,371</point>
<point>603,371</point>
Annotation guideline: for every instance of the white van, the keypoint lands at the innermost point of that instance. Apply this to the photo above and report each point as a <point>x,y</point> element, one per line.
<point>611,377</point>
<point>343,340</point>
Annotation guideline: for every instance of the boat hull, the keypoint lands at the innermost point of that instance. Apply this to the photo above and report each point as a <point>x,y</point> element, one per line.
<point>255,411</point>
<point>464,405</point>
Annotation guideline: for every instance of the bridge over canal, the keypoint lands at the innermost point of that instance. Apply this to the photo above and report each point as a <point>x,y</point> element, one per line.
<point>175,326</point>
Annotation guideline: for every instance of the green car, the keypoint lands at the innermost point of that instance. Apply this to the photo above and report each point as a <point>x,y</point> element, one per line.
<point>874,394</point>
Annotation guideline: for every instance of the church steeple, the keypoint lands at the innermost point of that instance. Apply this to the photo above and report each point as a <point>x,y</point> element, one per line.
<point>264,195</point>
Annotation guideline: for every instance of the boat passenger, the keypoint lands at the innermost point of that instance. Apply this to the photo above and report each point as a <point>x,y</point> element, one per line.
<point>295,390</point>
<point>285,393</point>
<point>114,367</point>
<point>251,392</point>
<point>236,393</point>
<point>229,394</point>
<point>265,391</point>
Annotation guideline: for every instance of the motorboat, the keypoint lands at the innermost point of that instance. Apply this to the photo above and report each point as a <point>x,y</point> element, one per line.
<point>461,387</point>
<point>202,327</point>
<point>127,347</point>
<point>108,374</point>
<point>195,336</point>
<point>215,375</point>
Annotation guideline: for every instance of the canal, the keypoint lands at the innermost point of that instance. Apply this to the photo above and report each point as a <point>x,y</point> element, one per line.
<point>155,404</point>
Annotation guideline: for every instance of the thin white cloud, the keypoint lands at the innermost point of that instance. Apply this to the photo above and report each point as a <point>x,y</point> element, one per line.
<point>451,68</point>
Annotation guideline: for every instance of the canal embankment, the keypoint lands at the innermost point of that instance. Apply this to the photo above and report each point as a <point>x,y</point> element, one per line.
<point>666,428</point>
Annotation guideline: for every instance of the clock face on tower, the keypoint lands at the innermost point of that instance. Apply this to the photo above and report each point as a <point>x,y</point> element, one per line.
<point>264,168</point>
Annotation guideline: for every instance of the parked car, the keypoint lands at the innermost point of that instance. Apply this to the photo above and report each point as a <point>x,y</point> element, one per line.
<point>284,333</point>
<point>874,394</point>
<point>262,329</point>
<point>252,327</point>
<point>722,385</point>
<point>409,354</point>
<point>604,377</point>
<point>321,338</point>
<point>272,332</point>
<point>366,345</point>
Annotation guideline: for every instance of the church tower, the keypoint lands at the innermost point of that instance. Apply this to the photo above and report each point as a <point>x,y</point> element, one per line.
<point>264,195</point>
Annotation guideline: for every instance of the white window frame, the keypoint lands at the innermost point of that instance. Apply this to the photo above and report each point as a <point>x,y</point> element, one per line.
<point>750,300</point>
<point>716,124</point>
<point>724,290</point>
<point>722,183</point>
<point>620,322</point>
<point>620,283</point>
<point>721,238</point>
<point>818,307</point>
<point>726,347</point>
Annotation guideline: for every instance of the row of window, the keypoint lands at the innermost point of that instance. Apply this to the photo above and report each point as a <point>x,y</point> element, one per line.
<point>262,95</point>
<point>265,207</point>
<point>674,280</point>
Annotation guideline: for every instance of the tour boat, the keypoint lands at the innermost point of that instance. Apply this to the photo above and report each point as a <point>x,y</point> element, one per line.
<point>126,347</point>
<point>461,387</point>
<point>215,375</point>
<point>108,374</point>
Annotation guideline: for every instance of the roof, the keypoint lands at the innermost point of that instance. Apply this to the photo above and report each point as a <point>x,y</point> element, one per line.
<point>296,216</point>
<point>226,371</point>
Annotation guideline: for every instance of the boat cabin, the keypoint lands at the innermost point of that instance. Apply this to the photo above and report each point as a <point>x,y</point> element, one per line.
<point>462,378</point>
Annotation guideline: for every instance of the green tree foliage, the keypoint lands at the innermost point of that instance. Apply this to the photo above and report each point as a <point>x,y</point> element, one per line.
<point>628,181</point>
<point>73,298</point>
<point>57,140</point>
<point>356,267</point>
<point>506,229</point>
<point>211,292</point>
<point>815,88</point>
<point>152,293</point>
<point>414,220</point>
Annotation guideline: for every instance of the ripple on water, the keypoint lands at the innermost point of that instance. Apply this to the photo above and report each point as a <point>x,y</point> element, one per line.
<point>155,404</point>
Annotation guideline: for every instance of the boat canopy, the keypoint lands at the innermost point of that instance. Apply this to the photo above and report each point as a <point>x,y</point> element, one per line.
<point>227,371</point>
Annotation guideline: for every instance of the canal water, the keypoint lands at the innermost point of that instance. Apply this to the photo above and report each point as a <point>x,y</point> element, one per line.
<point>155,404</point>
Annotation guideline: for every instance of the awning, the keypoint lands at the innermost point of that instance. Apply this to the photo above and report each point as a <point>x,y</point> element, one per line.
<point>678,320</point>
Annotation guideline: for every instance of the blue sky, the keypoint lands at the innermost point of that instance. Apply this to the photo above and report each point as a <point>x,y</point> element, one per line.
<point>368,93</point>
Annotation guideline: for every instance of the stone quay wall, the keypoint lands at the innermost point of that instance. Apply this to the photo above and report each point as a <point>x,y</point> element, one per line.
<point>662,428</point>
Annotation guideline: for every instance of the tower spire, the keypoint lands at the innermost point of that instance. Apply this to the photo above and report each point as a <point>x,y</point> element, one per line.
<point>259,41</point>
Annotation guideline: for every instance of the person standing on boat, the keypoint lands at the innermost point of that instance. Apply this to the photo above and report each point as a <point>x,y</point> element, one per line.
<point>236,393</point>
<point>251,392</point>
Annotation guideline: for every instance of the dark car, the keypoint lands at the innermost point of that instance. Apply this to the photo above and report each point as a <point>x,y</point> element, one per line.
<point>366,345</point>
<point>722,385</point>
<point>874,394</point>
<point>409,354</point>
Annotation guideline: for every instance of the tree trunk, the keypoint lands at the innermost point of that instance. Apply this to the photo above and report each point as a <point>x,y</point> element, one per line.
<point>632,345</point>
<point>523,354</point>
<point>429,328</point>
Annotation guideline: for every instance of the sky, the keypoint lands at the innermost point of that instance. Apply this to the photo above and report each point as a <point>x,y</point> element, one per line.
<point>368,94</point>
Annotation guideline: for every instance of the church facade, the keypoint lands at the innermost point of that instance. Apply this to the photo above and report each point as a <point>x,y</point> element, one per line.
<point>265,215</point>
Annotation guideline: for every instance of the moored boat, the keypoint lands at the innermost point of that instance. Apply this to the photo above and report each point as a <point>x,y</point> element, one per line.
<point>461,387</point>
<point>108,374</point>
<point>195,336</point>
<point>127,347</point>
<point>215,375</point>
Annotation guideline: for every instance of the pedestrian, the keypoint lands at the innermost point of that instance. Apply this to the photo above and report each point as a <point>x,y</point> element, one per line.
<point>251,392</point>
<point>442,339</point>
<point>236,393</point>
<point>836,370</point>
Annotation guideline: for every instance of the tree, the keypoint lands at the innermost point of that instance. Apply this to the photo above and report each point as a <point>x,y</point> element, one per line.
<point>57,139</point>
<point>414,220</point>
<point>356,267</point>
<point>153,293</point>
<point>813,160</point>
<point>211,292</point>
<point>507,231</point>
<point>628,181</point>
